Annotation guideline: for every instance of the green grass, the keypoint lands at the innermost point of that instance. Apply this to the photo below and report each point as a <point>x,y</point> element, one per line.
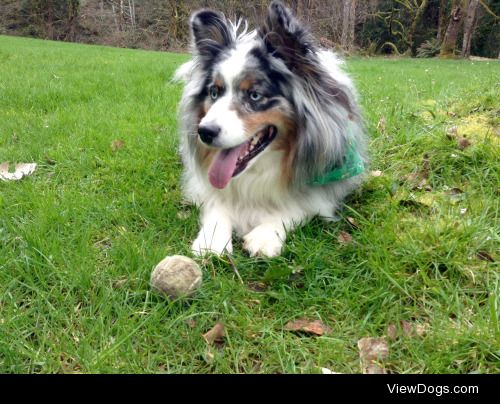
<point>79,238</point>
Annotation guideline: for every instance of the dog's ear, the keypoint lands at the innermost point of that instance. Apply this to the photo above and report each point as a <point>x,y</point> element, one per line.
<point>285,37</point>
<point>211,34</point>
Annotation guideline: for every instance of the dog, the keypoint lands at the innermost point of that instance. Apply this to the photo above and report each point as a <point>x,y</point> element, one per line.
<point>271,134</point>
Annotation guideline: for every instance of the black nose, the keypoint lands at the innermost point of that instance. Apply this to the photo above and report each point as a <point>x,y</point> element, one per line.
<point>208,133</point>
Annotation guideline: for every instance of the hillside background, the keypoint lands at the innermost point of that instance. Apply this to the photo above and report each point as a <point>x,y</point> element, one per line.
<point>422,28</point>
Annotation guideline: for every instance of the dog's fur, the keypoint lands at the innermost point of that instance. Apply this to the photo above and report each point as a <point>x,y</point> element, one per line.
<point>271,80</point>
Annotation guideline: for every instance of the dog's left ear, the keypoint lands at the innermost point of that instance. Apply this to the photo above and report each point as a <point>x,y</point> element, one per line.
<point>285,37</point>
<point>210,33</point>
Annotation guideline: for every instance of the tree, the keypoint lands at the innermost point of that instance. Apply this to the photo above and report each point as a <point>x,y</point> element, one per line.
<point>442,20</point>
<point>348,25</point>
<point>419,12</point>
<point>469,26</point>
<point>450,38</point>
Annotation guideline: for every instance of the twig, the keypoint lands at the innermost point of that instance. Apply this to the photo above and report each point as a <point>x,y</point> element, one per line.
<point>234,267</point>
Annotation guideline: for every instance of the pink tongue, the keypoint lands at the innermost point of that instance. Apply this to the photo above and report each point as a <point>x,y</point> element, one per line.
<point>222,169</point>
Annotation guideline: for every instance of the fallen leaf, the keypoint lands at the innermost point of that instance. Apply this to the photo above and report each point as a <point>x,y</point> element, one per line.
<point>463,143</point>
<point>392,332</point>
<point>117,145</point>
<point>407,328</point>
<point>344,238</point>
<point>353,222</point>
<point>311,327</point>
<point>374,369</point>
<point>216,334</point>
<point>373,349</point>
<point>485,256</point>
<point>209,357</point>
<point>258,287</point>
<point>421,329</point>
<point>376,173</point>
<point>22,170</point>
<point>452,132</point>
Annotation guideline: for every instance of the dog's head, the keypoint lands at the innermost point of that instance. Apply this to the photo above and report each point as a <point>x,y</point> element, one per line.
<point>262,90</point>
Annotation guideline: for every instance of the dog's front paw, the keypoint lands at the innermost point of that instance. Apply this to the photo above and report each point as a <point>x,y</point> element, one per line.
<point>263,241</point>
<point>203,246</point>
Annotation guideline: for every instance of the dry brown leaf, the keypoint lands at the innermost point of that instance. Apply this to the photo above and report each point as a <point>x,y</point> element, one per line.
<point>216,334</point>
<point>353,222</point>
<point>22,170</point>
<point>311,327</point>
<point>452,132</point>
<point>344,238</point>
<point>258,287</point>
<point>485,256</point>
<point>117,145</point>
<point>373,369</point>
<point>392,332</point>
<point>463,143</point>
<point>421,329</point>
<point>407,328</point>
<point>191,323</point>
<point>373,349</point>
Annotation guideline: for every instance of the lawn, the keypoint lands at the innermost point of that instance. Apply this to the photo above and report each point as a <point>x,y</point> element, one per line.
<point>80,237</point>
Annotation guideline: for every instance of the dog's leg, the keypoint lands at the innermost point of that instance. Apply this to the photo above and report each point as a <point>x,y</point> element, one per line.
<point>265,240</point>
<point>215,233</point>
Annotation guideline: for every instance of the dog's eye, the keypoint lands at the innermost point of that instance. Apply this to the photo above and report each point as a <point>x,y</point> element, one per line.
<point>255,96</point>
<point>214,92</point>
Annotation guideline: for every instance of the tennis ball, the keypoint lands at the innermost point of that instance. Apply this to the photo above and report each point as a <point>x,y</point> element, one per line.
<point>176,276</point>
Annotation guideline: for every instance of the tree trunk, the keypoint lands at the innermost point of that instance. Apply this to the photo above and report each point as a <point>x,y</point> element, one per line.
<point>469,26</point>
<point>348,25</point>
<point>73,13</point>
<point>418,16</point>
<point>122,16</point>
<point>50,19</point>
<point>450,38</point>
<point>442,20</point>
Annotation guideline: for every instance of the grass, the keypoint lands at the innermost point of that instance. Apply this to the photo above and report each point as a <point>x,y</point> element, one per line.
<point>79,238</point>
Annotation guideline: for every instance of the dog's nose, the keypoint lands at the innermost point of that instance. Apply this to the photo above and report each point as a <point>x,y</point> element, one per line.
<point>208,133</point>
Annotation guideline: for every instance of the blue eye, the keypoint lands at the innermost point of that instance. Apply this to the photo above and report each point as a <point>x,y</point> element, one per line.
<point>214,92</point>
<point>255,96</point>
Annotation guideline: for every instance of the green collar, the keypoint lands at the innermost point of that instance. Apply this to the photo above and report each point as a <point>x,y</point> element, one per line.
<point>353,165</point>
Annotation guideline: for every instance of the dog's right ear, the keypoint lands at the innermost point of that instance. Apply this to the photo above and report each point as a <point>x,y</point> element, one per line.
<point>285,37</point>
<point>211,34</point>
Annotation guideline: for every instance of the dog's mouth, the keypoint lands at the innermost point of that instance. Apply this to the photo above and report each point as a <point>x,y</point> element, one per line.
<point>228,163</point>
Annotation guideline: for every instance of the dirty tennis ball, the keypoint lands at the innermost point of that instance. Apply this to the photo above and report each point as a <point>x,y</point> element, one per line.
<point>176,276</point>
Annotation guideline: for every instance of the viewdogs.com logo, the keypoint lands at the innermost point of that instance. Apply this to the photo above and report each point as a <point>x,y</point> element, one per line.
<point>438,391</point>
